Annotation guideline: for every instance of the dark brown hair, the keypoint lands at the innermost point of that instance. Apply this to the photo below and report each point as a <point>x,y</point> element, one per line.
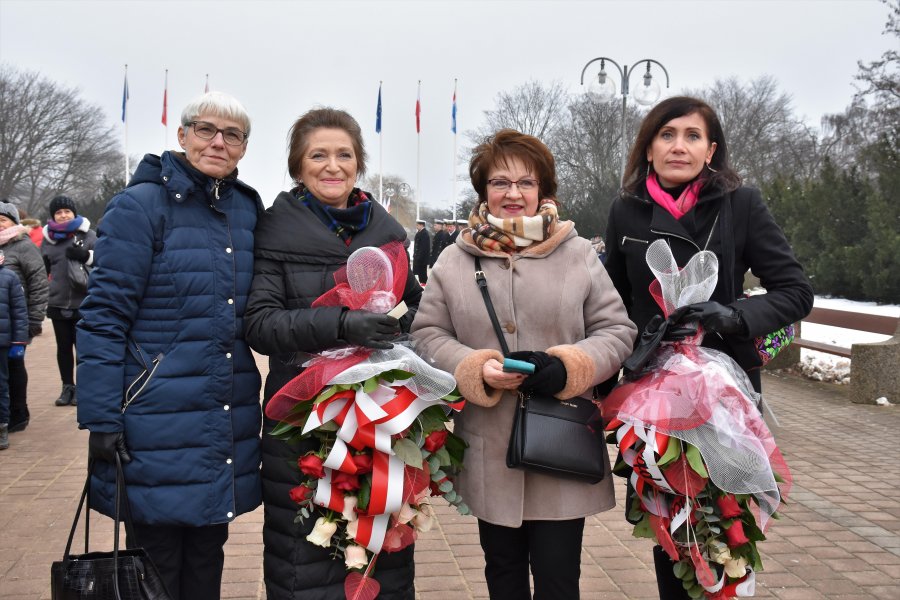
<point>721,174</point>
<point>507,144</point>
<point>323,118</point>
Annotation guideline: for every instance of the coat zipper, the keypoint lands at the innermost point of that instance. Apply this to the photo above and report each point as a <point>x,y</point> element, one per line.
<point>626,238</point>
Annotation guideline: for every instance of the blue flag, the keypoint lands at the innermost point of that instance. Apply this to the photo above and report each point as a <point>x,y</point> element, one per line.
<point>378,112</point>
<point>125,98</point>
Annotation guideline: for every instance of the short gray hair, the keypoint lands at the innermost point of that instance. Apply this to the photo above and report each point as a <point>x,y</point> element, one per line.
<point>218,104</point>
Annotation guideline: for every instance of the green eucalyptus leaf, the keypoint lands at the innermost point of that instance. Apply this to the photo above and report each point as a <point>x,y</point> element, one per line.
<point>407,451</point>
<point>673,451</point>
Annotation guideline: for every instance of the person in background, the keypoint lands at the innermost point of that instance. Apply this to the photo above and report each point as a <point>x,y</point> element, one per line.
<point>680,187</point>
<point>451,231</point>
<point>302,240</point>
<point>559,311</point>
<point>13,337</point>
<point>421,252</point>
<point>24,259</point>
<point>67,236</point>
<point>438,242</point>
<point>167,383</point>
<point>34,227</point>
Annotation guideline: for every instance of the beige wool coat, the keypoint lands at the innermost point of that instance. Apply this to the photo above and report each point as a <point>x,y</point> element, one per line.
<point>554,296</point>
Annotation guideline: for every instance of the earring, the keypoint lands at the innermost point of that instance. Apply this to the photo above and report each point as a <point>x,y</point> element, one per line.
<point>710,168</point>
<point>649,164</point>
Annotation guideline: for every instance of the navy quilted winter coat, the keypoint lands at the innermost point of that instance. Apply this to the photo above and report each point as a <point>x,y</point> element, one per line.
<point>172,272</point>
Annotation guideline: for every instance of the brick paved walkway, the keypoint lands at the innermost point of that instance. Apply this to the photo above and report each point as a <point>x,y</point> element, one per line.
<point>839,538</point>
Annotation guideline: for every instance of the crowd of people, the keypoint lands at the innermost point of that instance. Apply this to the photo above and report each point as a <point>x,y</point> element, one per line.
<point>188,272</point>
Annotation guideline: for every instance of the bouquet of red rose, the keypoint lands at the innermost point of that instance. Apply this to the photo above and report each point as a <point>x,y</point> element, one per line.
<point>380,418</point>
<point>704,471</point>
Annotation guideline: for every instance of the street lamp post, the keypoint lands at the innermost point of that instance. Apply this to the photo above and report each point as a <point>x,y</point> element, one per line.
<point>646,94</point>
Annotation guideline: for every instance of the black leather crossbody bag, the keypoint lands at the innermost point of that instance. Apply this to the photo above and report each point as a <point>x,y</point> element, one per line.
<point>549,435</point>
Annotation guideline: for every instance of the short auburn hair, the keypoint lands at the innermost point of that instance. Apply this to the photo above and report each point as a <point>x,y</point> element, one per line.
<point>498,149</point>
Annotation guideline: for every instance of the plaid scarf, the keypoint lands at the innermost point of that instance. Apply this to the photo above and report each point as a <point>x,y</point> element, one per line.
<point>344,222</point>
<point>508,235</point>
<point>61,231</point>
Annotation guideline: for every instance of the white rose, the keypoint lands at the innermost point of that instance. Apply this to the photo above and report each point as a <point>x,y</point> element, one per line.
<point>736,568</point>
<point>718,552</point>
<point>349,513</point>
<point>322,532</point>
<point>424,519</point>
<point>355,557</point>
<point>352,529</point>
<point>406,513</point>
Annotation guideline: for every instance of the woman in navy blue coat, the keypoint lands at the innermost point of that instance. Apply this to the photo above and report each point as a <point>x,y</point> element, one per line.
<point>166,380</point>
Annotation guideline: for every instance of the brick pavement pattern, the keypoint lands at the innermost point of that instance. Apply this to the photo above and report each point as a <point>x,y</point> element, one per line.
<point>839,536</point>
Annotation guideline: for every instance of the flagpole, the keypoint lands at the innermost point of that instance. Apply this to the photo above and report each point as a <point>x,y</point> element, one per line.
<point>206,89</point>
<point>453,162</point>
<point>418,150</point>
<point>380,151</point>
<point>125,121</point>
<point>166,111</point>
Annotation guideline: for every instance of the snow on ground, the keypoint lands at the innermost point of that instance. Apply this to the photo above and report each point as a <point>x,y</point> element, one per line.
<point>829,367</point>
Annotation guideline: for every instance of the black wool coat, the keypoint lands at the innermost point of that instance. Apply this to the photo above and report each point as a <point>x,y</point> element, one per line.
<point>744,236</point>
<point>296,258</point>
<point>421,251</point>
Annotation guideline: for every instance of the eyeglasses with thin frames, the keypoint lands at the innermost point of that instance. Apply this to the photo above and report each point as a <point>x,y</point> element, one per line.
<point>207,131</point>
<point>504,185</point>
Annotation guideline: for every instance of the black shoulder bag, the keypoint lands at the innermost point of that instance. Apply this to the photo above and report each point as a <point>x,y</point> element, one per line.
<point>118,575</point>
<point>549,435</point>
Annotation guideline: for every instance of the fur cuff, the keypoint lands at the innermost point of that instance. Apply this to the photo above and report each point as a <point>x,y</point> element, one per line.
<point>579,370</point>
<point>470,381</point>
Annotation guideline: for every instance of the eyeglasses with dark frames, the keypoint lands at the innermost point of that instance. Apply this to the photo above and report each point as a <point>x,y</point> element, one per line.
<point>207,131</point>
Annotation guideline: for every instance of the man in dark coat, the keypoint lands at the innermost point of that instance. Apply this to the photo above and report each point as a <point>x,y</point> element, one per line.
<point>440,241</point>
<point>421,252</point>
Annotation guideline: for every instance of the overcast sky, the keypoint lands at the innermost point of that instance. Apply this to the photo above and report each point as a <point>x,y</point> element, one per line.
<point>283,58</point>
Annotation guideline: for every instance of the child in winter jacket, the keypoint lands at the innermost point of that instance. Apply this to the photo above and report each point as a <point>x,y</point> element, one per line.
<point>13,337</point>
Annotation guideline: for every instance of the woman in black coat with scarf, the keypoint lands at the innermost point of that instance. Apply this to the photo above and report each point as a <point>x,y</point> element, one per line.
<point>307,235</point>
<point>679,187</point>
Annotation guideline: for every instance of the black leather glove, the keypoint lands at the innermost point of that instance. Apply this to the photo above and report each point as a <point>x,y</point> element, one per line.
<point>549,375</point>
<point>35,329</point>
<point>104,446</point>
<point>364,328</point>
<point>713,316</point>
<point>79,253</point>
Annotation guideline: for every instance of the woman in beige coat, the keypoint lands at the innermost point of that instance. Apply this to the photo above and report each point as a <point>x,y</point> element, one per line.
<point>559,311</point>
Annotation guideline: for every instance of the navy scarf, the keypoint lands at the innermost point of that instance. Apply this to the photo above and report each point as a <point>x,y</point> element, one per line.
<point>344,222</point>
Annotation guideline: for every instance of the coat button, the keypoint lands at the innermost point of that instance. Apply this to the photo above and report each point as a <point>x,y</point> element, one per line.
<point>178,195</point>
<point>505,264</point>
<point>228,250</point>
<point>227,407</point>
<point>230,514</point>
<point>228,355</point>
<point>231,301</point>
<point>510,328</point>
<point>228,461</point>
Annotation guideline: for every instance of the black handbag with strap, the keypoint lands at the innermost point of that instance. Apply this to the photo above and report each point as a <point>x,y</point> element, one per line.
<point>118,575</point>
<point>557,437</point>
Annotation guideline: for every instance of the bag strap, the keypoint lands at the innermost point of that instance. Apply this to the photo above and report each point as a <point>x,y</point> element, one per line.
<point>482,285</point>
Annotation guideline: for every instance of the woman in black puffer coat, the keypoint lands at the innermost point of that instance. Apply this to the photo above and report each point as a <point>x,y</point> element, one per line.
<point>679,187</point>
<point>307,235</point>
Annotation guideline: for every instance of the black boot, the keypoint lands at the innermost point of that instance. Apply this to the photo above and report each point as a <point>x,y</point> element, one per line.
<point>4,436</point>
<point>74,396</point>
<point>67,396</point>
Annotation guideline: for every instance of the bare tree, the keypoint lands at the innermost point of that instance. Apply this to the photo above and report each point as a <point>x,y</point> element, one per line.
<point>534,108</point>
<point>51,141</point>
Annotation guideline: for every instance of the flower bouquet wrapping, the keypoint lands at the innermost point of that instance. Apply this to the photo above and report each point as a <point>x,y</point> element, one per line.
<point>704,471</point>
<point>380,419</point>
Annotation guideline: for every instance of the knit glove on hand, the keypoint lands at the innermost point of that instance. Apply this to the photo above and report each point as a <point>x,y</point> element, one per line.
<point>16,351</point>
<point>713,316</point>
<point>364,328</point>
<point>549,376</point>
<point>79,253</point>
<point>104,446</point>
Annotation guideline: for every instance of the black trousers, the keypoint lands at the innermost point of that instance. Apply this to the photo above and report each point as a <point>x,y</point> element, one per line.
<point>64,330</point>
<point>18,387</point>
<point>189,559</point>
<point>670,587</point>
<point>551,548</point>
